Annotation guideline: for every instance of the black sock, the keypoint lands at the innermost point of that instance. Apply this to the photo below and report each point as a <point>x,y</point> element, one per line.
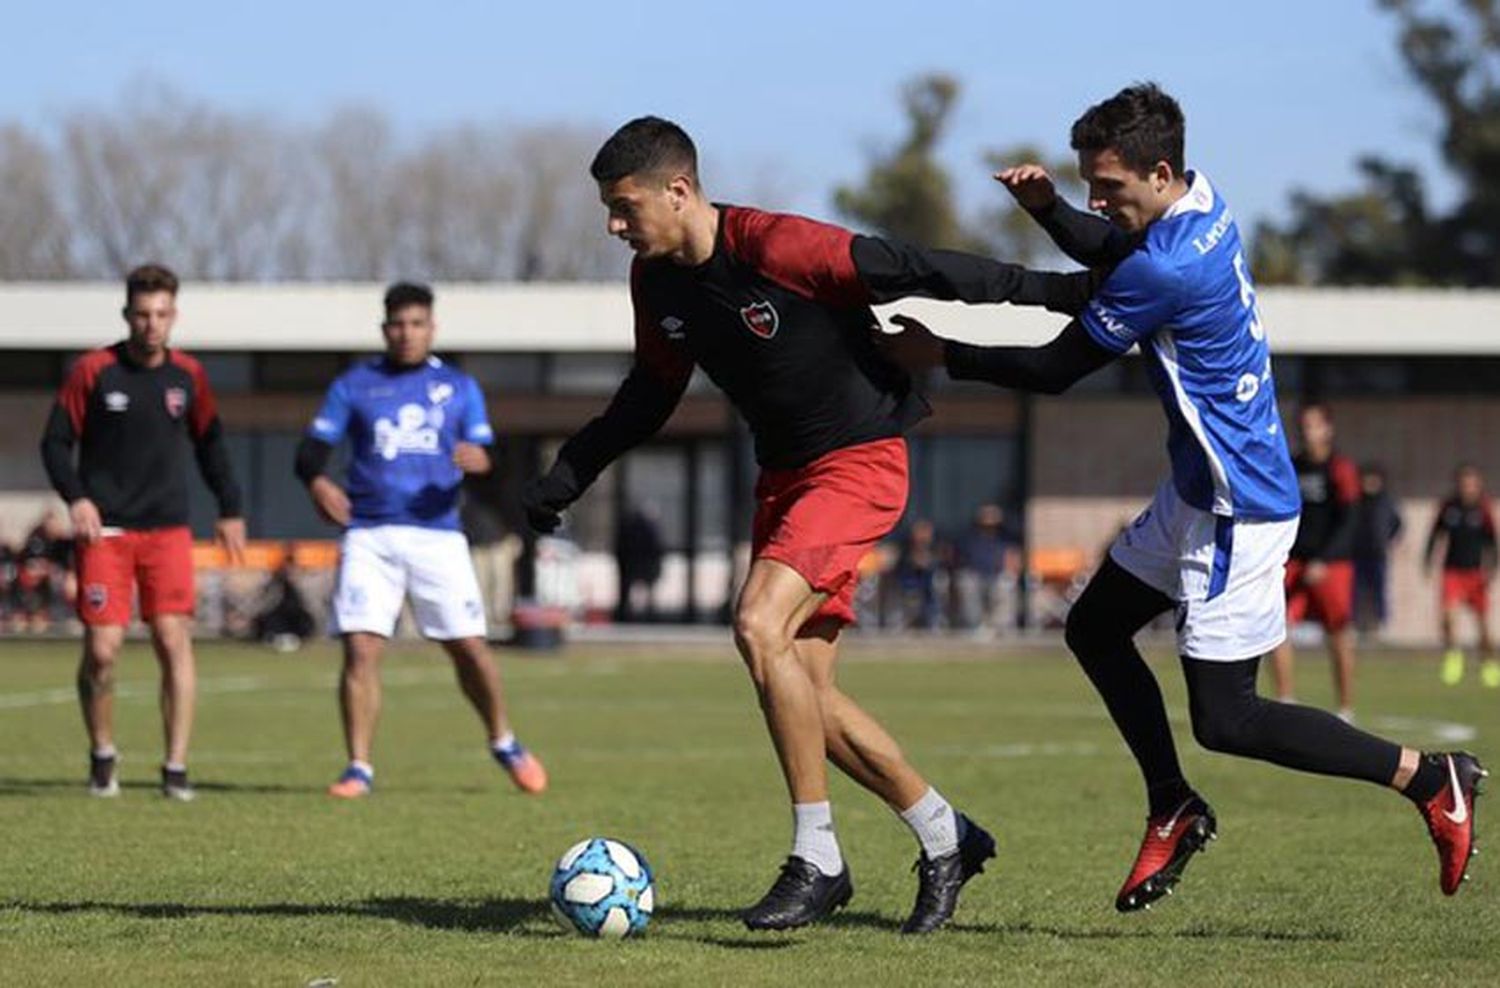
<point>1428,780</point>
<point>1166,797</point>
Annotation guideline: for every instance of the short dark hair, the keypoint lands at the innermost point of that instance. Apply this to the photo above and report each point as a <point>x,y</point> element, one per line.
<point>1141,123</point>
<point>645,145</point>
<point>404,293</point>
<point>150,278</point>
<point>1316,405</point>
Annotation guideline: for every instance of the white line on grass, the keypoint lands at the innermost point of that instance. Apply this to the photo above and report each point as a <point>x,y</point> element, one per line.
<point>129,691</point>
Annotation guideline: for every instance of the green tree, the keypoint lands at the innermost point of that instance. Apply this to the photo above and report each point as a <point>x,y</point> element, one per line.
<point>906,193</point>
<point>1384,232</point>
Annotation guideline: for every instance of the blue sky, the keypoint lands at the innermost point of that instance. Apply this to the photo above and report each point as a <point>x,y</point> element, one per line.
<point>781,96</point>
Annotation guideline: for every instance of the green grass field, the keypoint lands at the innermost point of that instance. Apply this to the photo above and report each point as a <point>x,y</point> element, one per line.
<point>440,878</point>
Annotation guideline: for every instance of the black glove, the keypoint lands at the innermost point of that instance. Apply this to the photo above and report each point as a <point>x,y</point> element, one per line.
<point>545,499</point>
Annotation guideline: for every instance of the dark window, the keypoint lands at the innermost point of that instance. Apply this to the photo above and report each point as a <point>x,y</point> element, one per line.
<point>39,369</point>
<point>586,373</point>
<point>229,373</point>
<point>312,372</point>
<point>505,373</point>
<point>953,475</point>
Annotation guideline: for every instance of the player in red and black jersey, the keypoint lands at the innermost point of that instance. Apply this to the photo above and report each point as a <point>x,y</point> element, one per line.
<point>1320,570</point>
<point>1464,533</point>
<point>775,310</point>
<point>134,410</point>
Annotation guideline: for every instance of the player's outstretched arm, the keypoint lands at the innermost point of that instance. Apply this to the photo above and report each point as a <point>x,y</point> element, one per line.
<point>638,410</point>
<point>1089,239</point>
<point>1051,368</point>
<point>892,270</point>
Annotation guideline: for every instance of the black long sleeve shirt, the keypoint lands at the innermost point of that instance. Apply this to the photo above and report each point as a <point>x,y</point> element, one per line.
<point>133,427</point>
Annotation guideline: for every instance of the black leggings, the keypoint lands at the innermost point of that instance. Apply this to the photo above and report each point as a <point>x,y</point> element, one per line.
<point>1228,715</point>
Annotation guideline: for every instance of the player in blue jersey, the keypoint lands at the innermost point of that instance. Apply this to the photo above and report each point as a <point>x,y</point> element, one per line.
<point>415,426</point>
<point>1168,274</point>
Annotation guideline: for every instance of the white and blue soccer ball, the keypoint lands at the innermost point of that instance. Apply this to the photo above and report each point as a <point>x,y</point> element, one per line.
<point>603,888</point>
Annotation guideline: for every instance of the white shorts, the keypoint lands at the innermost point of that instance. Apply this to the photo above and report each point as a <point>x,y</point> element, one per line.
<point>379,566</point>
<point>1225,574</point>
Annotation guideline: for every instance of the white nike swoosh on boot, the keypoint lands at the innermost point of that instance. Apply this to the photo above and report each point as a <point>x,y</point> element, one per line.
<point>1165,830</point>
<point>1460,813</point>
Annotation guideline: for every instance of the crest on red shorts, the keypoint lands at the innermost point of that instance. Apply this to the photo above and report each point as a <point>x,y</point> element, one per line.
<point>97,595</point>
<point>176,399</point>
<point>761,318</point>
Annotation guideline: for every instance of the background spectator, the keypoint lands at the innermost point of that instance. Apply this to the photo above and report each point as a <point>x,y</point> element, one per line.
<point>1377,530</point>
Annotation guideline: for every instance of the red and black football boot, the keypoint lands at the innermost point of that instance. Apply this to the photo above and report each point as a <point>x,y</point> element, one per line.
<point>1450,816</point>
<point>1171,839</point>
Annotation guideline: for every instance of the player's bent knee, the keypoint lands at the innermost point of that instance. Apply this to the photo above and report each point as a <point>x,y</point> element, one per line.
<point>759,632</point>
<point>1089,630</point>
<point>1229,731</point>
<point>99,654</point>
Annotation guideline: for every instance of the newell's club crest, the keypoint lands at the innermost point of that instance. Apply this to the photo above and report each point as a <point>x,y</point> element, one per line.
<point>761,319</point>
<point>96,595</point>
<point>176,399</point>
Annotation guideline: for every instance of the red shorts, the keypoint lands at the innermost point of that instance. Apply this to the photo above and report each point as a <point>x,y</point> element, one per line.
<point>1469,587</point>
<point>823,518</point>
<point>157,561</point>
<point>1330,602</point>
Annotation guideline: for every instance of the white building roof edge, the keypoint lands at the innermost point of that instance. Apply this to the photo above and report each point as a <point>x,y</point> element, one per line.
<point>597,317</point>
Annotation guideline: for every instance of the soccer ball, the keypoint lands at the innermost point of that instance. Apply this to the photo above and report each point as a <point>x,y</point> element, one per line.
<point>602,888</point>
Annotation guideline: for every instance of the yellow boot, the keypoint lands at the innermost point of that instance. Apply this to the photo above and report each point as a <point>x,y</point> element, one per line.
<point>1453,667</point>
<point>1489,673</point>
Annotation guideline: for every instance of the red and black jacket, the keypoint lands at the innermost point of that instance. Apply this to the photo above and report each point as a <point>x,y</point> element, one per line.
<point>1470,533</point>
<point>133,427</point>
<point>1330,508</point>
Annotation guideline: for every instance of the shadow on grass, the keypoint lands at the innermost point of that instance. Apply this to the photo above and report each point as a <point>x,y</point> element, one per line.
<point>710,914</point>
<point>531,918</point>
<point>1197,932</point>
<point>482,916</point>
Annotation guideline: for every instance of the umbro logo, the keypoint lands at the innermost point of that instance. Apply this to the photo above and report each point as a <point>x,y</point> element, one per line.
<point>117,401</point>
<point>673,327</point>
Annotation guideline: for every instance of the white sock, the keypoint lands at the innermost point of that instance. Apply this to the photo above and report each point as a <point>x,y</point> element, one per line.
<point>174,766</point>
<point>813,839</point>
<point>504,742</point>
<point>364,767</point>
<point>108,751</point>
<point>934,823</point>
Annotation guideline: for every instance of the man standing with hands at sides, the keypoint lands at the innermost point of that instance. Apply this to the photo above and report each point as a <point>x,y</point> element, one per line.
<point>775,309</point>
<point>1463,534</point>
<point>415,426</point>
<point>1213,543</point>
<point>1320,570</point>
<point>132,410</point>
